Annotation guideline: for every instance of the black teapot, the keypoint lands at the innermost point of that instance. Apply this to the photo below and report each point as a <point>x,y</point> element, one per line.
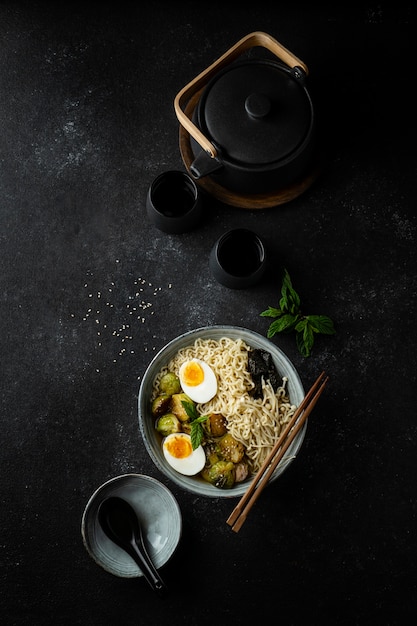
<point>250,121</point>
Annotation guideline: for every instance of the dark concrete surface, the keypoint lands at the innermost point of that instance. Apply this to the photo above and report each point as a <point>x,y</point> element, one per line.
<point>87,121</point>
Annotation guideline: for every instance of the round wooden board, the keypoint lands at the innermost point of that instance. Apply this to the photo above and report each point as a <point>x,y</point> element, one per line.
<point>232,198</point>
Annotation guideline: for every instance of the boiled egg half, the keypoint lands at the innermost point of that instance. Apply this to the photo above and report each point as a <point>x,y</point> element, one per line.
<point>198,380</point>
<point>180,455</point>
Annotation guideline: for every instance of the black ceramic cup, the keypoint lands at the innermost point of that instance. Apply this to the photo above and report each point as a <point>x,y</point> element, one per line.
<point>238,259</point>
<point>174,203</point>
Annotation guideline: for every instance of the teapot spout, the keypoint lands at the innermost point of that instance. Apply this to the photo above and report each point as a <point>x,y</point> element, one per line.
<point>204,164</point>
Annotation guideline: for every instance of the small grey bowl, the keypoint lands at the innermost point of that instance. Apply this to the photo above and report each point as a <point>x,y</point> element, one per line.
<point>159,514</point>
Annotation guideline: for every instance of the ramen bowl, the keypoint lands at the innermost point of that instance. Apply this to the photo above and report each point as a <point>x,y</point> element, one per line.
<point>153,440</point>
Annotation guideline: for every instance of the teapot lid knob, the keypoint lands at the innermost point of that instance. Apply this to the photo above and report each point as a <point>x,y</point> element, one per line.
<point>257,105</point>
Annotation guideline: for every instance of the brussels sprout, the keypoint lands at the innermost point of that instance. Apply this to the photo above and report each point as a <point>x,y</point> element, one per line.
<point>160,405</point>
<point>230,448</point>
<point>168,424</point>
<point>215,425</point>
<point>212,454</point>
<point>170,384</point>
<point>176,406</point>
<point>221,474</point>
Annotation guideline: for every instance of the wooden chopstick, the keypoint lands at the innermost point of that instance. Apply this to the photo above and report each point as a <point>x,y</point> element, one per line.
<point>240,512</point>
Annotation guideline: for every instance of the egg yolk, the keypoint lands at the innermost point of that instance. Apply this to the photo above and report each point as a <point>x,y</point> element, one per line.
<point>179,447</point>
<point>193,374</point>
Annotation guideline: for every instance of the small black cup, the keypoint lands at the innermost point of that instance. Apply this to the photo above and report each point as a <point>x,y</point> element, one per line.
<point>238,259</point>
<point>174,204</point>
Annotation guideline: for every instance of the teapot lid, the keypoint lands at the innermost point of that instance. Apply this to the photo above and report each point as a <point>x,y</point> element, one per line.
<point>256,111</point>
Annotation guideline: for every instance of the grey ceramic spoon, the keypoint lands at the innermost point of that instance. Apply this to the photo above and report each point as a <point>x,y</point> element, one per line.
<point>121,524</point>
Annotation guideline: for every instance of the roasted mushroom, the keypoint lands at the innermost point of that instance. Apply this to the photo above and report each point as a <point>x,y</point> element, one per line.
<point>241,470</point>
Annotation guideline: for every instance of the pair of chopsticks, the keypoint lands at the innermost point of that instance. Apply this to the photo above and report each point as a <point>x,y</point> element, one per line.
<point>240,512</point>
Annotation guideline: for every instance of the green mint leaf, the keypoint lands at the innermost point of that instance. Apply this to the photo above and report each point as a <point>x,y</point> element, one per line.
<point>282,324</point>
<point>271,312</point>
<point>196,434</point>
<point>321,324</point>
<point>290,297</point>
<point>196,431</point>
<point>284,304</point>
<point>299,340</point>
<point>308,337</point>
<point>286,282</point>
<point>305,340</point>
<point>190,409</point>
<point>299,327</point>
<point>288,317</point>
<point>201,419</point>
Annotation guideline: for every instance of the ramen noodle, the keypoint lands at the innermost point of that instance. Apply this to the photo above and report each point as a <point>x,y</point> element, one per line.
<point>255,422</point>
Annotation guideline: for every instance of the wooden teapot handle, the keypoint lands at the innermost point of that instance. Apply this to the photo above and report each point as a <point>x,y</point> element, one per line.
<point>256,38</point>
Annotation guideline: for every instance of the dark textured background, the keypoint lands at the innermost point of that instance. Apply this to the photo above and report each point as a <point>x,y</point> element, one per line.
<point>90,291</point>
